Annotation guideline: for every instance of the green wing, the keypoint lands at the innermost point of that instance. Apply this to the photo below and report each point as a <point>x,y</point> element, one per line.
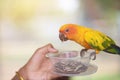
<point>98,40</point>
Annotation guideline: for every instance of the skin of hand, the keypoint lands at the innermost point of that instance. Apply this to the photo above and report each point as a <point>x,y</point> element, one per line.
<point>39,67</point>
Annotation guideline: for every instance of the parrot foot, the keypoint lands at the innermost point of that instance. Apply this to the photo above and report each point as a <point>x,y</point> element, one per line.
<point>93,56</point>
<point>82,52</point>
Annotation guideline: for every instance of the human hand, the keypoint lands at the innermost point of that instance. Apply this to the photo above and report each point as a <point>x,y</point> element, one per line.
<point>39,67</point>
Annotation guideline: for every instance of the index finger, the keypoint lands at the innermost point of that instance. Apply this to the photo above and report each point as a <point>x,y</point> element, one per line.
<point>40,53</point>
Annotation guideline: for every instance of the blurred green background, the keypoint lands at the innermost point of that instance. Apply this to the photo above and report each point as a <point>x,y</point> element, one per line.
<point>26,25</point>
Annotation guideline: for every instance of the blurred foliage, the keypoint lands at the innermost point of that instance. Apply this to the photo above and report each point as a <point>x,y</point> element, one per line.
<point>1,3</point>
<point>18,12</point>
<point>109,7</point>
<point>107,4</point>
<point>99,77</point>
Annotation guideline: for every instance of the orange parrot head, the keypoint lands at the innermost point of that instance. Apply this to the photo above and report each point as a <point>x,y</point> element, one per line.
<point>67,32</point>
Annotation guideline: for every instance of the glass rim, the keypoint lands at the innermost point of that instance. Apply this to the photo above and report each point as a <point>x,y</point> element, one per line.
<point>55,55</point>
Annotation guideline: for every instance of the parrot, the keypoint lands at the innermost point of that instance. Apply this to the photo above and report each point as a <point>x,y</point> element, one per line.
<point>88,38</point>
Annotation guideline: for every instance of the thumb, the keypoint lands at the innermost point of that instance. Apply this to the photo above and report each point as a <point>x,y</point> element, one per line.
<point>44,50</point>
<point>39,55</point>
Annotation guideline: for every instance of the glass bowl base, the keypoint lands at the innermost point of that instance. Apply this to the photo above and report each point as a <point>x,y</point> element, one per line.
<point>90,70</point>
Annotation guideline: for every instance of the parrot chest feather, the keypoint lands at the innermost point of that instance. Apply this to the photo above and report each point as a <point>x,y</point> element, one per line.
<point>80,40</point>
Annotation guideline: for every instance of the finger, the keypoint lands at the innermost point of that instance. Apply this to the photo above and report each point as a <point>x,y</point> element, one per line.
<point>46,49</point>
<point>41,52</point>
<point>39,56</point>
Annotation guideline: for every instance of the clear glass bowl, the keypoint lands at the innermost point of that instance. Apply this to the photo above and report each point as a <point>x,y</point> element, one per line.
<point>69,62</point>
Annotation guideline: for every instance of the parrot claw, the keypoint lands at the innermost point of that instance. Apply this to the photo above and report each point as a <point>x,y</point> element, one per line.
<point>93,56</point>
<point>82,52</point>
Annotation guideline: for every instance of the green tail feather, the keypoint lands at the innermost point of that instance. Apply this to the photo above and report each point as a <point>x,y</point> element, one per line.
<point>114,49</point>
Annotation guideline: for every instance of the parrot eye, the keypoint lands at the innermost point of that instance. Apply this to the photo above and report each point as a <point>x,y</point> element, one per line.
<point>67,30</point>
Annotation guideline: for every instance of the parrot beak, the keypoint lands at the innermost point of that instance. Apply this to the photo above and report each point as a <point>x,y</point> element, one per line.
<point>62,37</point>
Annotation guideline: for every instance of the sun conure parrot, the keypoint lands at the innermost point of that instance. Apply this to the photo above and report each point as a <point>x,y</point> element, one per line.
<point>88,38</point>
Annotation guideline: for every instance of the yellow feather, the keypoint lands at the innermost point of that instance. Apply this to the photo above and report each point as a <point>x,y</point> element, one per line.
<point>86,37</point>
